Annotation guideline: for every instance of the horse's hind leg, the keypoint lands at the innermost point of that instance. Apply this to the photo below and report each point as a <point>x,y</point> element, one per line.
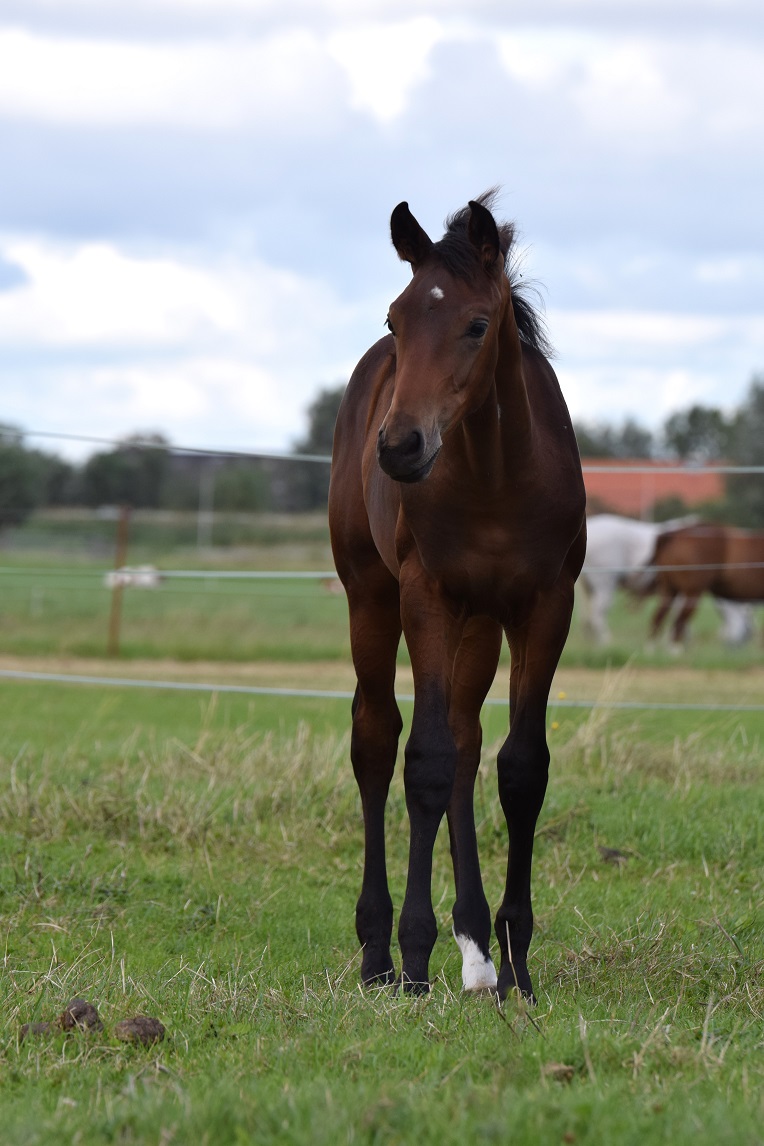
<point>681,621</point>
<point>474,670</point>
<point>665,603</point>
<point>433,628</point>
<point>375,629</point>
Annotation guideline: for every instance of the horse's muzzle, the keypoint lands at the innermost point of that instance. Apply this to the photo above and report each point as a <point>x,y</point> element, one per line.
<point>409,460</point>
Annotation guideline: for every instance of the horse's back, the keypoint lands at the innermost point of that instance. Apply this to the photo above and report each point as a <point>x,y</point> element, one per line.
<point>618,543</point>
<point>687,546</point>
<point>742,578</point>
<point>693,560</point>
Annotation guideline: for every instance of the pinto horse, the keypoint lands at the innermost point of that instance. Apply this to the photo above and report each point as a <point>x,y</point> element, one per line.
<point>617,551</point>
<point>716,559</point>
<point>456,509</point>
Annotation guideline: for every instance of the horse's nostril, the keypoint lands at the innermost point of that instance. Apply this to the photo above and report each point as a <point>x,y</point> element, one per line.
<point>413,445</point>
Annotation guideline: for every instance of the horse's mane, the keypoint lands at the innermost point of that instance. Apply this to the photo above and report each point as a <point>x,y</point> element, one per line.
<point>459,256</point>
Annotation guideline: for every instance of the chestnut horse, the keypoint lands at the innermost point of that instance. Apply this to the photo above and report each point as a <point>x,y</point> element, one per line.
<point>456,509</point>
<point>716,559</point>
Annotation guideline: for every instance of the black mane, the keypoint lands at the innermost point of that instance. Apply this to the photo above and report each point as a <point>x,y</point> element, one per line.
<point>460,258</point>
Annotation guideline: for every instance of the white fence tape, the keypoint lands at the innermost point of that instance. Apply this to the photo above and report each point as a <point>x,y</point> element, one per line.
<point>328,694</point>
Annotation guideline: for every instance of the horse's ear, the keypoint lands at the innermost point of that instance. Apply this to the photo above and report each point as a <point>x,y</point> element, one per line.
<point>484,235</point>
<point>410,241</point>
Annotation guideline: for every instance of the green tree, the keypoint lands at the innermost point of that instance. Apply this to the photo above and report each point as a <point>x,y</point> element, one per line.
<point>241,486</point>
<point>322,415</point>
<point>600,440</point>
<point>62,481</point>
<point>309,481</point>
<point>22,486</point>
<point>699,434</point>
<point>745,492</point>
<point>133,474</point>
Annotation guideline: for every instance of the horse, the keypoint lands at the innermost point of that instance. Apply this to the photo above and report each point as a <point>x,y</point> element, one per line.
<point>721,560</point>
<point>618,549</point>
<point>457,514</point>
<point>619,554</point>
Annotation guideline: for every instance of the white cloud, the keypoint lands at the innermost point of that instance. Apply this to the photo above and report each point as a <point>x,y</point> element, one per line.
<point>384,62</point>
<point>646,365</point>
<point>732,269</point>
<point>599,333</point>
<point>204,402</point>
<point>642,90</point>
<point>224,354</point>
<point>617,82</point>
<point>220,84</point>
<point>617,391</point>
<point>95,294</point>
<point>188,392</point>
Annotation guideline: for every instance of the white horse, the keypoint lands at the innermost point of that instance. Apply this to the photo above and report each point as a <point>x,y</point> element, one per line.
<point>618,553</point>
<point>139,577</point>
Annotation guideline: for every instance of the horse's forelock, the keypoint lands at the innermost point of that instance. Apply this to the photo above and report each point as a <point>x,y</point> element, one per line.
<point>461,259</point>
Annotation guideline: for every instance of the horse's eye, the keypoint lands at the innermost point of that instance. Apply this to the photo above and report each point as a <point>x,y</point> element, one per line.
<point>477,329</point>
<point>389,325</point>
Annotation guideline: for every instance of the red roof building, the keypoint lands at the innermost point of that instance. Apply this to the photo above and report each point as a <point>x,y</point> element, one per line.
<point>633,486</point>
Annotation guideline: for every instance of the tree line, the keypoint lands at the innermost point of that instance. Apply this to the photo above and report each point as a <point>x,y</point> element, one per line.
<point>146,472</point>
<point>698,435</point>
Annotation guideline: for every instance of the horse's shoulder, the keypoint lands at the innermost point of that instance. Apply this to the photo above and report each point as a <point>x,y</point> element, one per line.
<point>374,369</point>
<point>378,359</point>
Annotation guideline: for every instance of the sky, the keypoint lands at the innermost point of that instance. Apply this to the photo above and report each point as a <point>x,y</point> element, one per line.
<point>195,199</point>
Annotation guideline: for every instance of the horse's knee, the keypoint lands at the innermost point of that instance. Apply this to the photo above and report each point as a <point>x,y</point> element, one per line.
<point>374,737</point>
<point>429,773</point>
<point>523,775</point>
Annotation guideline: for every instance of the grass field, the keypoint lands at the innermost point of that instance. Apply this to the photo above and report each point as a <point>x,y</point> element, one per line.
<point>64,611</point>
<point>197,859</point>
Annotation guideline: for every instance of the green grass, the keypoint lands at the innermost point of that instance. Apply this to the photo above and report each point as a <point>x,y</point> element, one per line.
<point>198,860</point>
<point>64,609</point>
<point>187,620</point>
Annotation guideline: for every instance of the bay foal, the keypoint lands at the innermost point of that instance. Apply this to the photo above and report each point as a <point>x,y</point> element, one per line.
<point>456,510</point>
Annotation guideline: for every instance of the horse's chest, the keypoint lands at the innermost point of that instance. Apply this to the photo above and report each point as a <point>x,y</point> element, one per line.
<point>491,570</point>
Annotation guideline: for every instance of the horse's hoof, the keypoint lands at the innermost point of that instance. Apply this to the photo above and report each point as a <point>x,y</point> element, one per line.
<point>478,971</point>
<point>413,986</point>
<point>382,977</point>
<point>377,968</point>
<point>483,992</point>
<point>508,985</point>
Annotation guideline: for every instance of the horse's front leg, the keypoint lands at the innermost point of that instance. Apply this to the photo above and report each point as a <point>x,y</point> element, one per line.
<point>432,632</point>
<point>374,635</point>
<point>474,671</point>
<point>523,765</point>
